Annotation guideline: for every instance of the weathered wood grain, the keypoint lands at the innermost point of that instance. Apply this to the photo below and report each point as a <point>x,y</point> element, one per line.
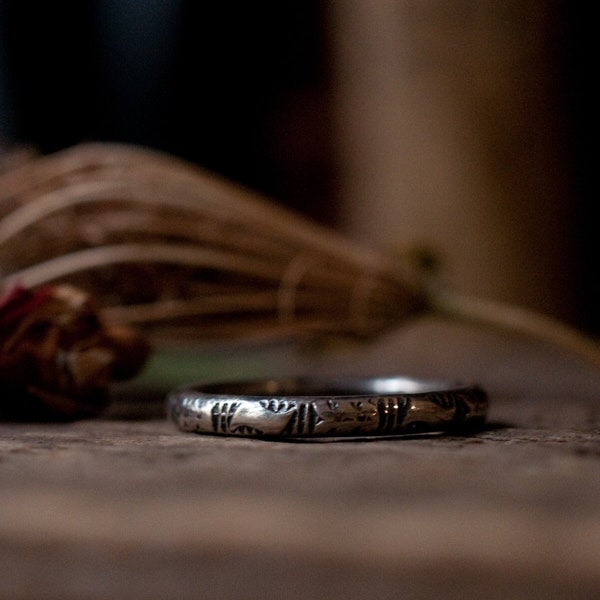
<point>125,507</point>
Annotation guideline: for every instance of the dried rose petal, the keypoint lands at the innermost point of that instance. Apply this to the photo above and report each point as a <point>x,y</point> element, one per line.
<point>57,356</point>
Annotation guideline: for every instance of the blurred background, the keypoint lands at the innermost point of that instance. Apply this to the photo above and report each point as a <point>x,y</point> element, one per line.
<point>464,125</point>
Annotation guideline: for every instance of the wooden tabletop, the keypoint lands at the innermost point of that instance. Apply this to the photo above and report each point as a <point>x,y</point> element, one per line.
<point>126,506</point>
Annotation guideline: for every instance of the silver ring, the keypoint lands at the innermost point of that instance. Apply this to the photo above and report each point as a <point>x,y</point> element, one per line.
<point>328,407</point>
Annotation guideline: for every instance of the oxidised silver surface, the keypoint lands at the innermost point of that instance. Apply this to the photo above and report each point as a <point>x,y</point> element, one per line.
<point>328,407</point>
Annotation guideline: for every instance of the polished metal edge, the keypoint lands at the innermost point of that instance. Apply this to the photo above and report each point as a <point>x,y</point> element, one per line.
<point>201,409</point>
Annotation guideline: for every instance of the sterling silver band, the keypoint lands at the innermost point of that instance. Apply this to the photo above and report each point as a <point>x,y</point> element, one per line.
<point>328,407</point>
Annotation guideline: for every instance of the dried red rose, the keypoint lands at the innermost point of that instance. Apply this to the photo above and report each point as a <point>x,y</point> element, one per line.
<point>58,357</point>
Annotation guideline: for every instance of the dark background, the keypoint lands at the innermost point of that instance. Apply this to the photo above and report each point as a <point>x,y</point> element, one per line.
<point>241,88</point>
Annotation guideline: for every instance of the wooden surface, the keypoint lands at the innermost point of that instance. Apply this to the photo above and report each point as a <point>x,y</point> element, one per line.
<point>127,507</point>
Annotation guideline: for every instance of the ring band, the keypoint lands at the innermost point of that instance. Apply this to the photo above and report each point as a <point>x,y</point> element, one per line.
<point>328,407</point>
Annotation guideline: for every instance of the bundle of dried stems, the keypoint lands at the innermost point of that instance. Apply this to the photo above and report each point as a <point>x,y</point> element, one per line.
<point>186,256</point>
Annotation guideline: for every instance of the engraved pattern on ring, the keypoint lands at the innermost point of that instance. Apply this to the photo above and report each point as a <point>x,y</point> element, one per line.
<point>327,416</point>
